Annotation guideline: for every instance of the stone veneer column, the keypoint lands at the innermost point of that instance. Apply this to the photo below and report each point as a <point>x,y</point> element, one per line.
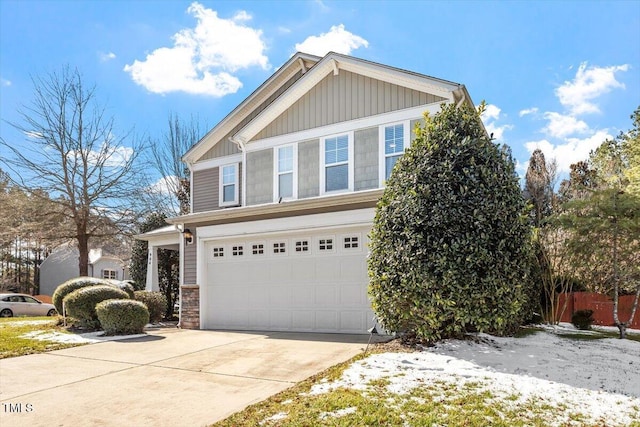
<point>190,307</point>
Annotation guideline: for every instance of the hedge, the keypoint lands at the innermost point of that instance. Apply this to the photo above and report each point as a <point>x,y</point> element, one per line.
<point>71,285</point>
<point>81,303</point>
<point>156,302</point>
<point>123,317</point>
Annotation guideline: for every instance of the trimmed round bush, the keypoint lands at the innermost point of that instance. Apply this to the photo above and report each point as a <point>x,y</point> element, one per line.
<point>156,302</point>
<point>81,303</point>
<point>124,285</point>
<point>122,317</point>
<point>71,285</point>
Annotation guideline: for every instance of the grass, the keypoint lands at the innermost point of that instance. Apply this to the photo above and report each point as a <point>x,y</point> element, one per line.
<point>12,340</point>
<point>435,404</point>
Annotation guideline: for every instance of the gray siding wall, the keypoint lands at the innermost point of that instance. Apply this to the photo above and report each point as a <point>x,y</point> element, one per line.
<point>206,189</point>
<point>346,96</point>
<point>309,169</point>
<point>365,147</point>
<point>224,147</point>
<point>260,177</point>
<point>190,267</point>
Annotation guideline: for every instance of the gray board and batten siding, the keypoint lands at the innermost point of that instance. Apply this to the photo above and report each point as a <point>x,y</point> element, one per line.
<point>260,177</point>
<point>347,96</point>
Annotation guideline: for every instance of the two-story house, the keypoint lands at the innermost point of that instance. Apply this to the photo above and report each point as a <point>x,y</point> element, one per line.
<point>284,191</point>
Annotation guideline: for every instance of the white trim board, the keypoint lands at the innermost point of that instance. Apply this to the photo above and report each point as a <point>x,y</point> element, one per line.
<point>344,127</point>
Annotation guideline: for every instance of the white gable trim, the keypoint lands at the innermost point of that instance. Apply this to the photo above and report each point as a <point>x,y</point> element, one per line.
<point>332,63</point>
<point>217,162</point>
<point>344,127</point>
<point>287,71</point>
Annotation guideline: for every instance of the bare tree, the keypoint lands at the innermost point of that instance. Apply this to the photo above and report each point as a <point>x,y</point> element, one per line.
<point>173,189</point>
<point>73,153</point>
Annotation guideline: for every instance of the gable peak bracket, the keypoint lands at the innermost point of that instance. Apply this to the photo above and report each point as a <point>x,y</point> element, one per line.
<point>334,63</point>
<point>303,67</point>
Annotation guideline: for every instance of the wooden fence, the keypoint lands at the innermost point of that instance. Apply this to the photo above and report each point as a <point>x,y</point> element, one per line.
<point>602,307</point>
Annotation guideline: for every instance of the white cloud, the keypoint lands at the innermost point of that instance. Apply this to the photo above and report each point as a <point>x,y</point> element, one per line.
<point>104,57</point>
<point>571,150</point>
<point>589,83</point>
<point>203,58</point>
<point>489,116</point>
<point>336,40</point>
<point>561,125</point>
<point>165,186</point>
<point>528,111</point>
<point>5,82</point>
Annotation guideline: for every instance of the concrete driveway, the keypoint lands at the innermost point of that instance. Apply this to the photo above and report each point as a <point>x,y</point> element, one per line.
<point>170,377</point>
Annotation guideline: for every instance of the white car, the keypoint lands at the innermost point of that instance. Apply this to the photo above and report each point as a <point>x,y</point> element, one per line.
<point>24,305</point>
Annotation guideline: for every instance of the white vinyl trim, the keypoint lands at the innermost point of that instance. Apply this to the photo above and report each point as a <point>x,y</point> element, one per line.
<point>218,161</point>
<point>350,164</point>
<point>277,173</point>
<point>235,184</point>
<point>343,127</point>
<point>406,140</point>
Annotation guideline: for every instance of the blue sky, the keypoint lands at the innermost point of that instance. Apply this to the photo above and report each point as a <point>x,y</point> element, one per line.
<point>562,76</point>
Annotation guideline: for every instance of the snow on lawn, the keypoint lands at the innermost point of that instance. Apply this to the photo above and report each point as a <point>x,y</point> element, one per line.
<point>68,338</point>
<point>598,378</point>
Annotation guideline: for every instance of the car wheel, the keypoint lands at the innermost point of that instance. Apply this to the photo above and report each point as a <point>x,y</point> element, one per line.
<point>6,313</point>
<point>52,312</point>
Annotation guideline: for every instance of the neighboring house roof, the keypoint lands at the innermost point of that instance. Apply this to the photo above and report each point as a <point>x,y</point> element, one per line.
<point>313,70</point>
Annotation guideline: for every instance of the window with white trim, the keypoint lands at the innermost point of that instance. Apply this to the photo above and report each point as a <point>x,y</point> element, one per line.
<point>325,244</point>
<point>279,247</point>
<point>285,176</point>
<point>218,252</point>
<point>237,250</point>
<point>394,139</point>
<point>351,242</point>
<point>257,249</point>
<point>337,157</point>
<point>302,246</point>
<point>229,185</point>
<point>109,274</point>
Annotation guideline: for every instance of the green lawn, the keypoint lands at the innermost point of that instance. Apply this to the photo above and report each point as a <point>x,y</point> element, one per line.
<point>12,340</point>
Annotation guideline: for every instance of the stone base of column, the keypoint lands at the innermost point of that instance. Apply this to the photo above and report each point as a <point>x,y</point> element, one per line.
<point>189,307</point>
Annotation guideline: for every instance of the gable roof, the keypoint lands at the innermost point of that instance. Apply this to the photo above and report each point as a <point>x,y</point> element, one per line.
<point>314,70</point>
<point>298,62</point>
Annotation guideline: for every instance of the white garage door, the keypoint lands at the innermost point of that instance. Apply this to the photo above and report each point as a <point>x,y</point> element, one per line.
<point>301,282</point>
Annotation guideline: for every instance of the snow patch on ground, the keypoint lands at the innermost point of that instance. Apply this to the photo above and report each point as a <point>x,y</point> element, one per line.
<point>339,413</point>
<point>86,338</point>
<point>598,378</point>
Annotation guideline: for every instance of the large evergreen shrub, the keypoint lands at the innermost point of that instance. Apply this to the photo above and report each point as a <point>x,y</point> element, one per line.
<point>450,247</point>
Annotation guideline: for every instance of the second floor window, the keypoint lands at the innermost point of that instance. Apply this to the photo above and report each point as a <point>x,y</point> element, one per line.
<point>336,163</point>
<point>229,185</point>
<point>393,147</point>
<point>285,172</point>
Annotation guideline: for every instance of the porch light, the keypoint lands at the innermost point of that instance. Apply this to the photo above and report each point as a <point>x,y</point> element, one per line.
<point>188,236</point>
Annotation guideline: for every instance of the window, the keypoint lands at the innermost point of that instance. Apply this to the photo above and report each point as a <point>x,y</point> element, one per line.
<point>285,177</point>
<point>229,185</point>
<point>279,248</point>
<point>218,252</point>
<point>351,242</point>
<point>302,246</point>
<point>394,142</point>
<point>237,250</point>
<point>109,274</point>
<point>325,244</point>
<point>337,167</point>
<point>257,249</point>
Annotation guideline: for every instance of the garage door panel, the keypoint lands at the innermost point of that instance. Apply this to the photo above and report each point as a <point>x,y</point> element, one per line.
<point>322,288</point>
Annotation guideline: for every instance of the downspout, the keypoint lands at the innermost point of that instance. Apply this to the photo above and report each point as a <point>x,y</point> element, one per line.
<point>243,149</point>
